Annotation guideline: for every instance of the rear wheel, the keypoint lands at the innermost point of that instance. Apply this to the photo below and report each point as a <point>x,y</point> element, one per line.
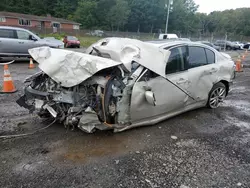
<point>216,95</point>
<point>229,48</point>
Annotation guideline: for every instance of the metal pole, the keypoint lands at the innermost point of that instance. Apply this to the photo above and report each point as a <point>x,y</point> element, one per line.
<point>166,30</point>
<point>225,46</point>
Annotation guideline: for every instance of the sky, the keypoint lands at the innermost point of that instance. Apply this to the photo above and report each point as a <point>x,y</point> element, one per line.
<point>207,6</point>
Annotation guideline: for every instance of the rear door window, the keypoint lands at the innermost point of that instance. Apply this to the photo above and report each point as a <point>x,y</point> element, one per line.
<point>197,57</point>
<point>177,60</point>
<point>210,56</point>
<point>7,33</point>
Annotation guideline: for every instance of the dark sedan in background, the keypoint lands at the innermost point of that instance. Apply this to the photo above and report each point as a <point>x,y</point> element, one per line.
<point>227,44</point>
<point>218,48</point>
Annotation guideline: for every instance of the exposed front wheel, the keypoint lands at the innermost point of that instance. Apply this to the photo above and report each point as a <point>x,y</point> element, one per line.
<point>216,95</point>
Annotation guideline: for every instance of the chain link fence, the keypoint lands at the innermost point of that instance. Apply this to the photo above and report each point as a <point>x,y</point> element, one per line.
<point>211,37</point>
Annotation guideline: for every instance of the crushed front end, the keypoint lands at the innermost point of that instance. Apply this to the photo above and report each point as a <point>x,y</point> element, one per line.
<point>100,102</point>
<point>90,90</point>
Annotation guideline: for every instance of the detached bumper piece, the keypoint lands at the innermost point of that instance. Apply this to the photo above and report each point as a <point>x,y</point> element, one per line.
<point>30,94</point>
<point>22,101</point>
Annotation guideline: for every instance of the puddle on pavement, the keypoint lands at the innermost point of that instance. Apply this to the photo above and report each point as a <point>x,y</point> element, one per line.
<point>86,148</point>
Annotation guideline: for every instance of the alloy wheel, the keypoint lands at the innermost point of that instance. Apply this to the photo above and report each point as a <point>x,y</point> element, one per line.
<point>217,97</point>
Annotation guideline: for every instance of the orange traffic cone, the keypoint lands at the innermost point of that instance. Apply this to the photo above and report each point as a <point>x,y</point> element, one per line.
<point>8,85</point>
<point>238,66</point>
<point>31,65</point>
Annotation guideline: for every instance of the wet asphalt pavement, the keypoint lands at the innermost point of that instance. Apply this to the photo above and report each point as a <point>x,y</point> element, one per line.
<point>201,148</point>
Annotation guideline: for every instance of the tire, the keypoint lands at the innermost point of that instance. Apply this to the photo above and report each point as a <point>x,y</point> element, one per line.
<point>216,95</point>
<point>229,48</point>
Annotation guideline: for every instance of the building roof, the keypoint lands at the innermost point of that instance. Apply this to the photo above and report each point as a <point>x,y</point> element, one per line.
<point>33,17</point>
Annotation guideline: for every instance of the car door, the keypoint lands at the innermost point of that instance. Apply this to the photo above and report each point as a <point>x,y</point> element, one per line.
<point>24,41</point>
<point>202,71</point>
<point>170,92</point>
<point>7,41</point>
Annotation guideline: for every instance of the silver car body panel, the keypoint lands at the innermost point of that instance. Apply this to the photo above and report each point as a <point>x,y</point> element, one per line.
<point>7,45</point>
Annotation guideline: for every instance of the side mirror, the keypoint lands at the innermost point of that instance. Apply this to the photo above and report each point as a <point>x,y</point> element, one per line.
<point>150,97</point>
<point>31,37</point>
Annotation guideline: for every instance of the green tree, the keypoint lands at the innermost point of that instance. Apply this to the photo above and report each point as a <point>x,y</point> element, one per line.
<point>182,16</point>
<point>118,14</point>
<point>154,13</point>
<point>20,6</point>
<point>137,16</point>
<point>103,7</point>
<point>85,13</point>
<point>65,8</point>
<point>41,7</point>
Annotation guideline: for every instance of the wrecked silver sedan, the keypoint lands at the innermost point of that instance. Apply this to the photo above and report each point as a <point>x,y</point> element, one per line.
<point>120,83</point>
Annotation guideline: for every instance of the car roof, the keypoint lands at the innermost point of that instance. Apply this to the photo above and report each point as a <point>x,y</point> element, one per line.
<point>15,28</point>
<point>164,43</point>
<point>160,43</point>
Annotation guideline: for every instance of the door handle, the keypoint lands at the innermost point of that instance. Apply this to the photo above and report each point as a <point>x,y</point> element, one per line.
<point>182,81</point>
<point>21,42</point>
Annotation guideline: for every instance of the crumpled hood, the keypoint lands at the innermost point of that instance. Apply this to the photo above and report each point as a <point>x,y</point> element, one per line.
<point>69,68</point>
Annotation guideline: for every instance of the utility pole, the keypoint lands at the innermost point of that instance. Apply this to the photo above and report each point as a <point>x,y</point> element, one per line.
<point>166,29</point>
<point>225,45</point>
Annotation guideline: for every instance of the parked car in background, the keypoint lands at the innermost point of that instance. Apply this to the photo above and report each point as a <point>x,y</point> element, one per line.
<point>97,33</point>
<point>15,42</point>
<point>240,44</point>
<point>148,83</point>
<point>227,44</point>
<point>71,41</point>
<point>168,36</point>
<point>246,46</point>
<point>218,48</point>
